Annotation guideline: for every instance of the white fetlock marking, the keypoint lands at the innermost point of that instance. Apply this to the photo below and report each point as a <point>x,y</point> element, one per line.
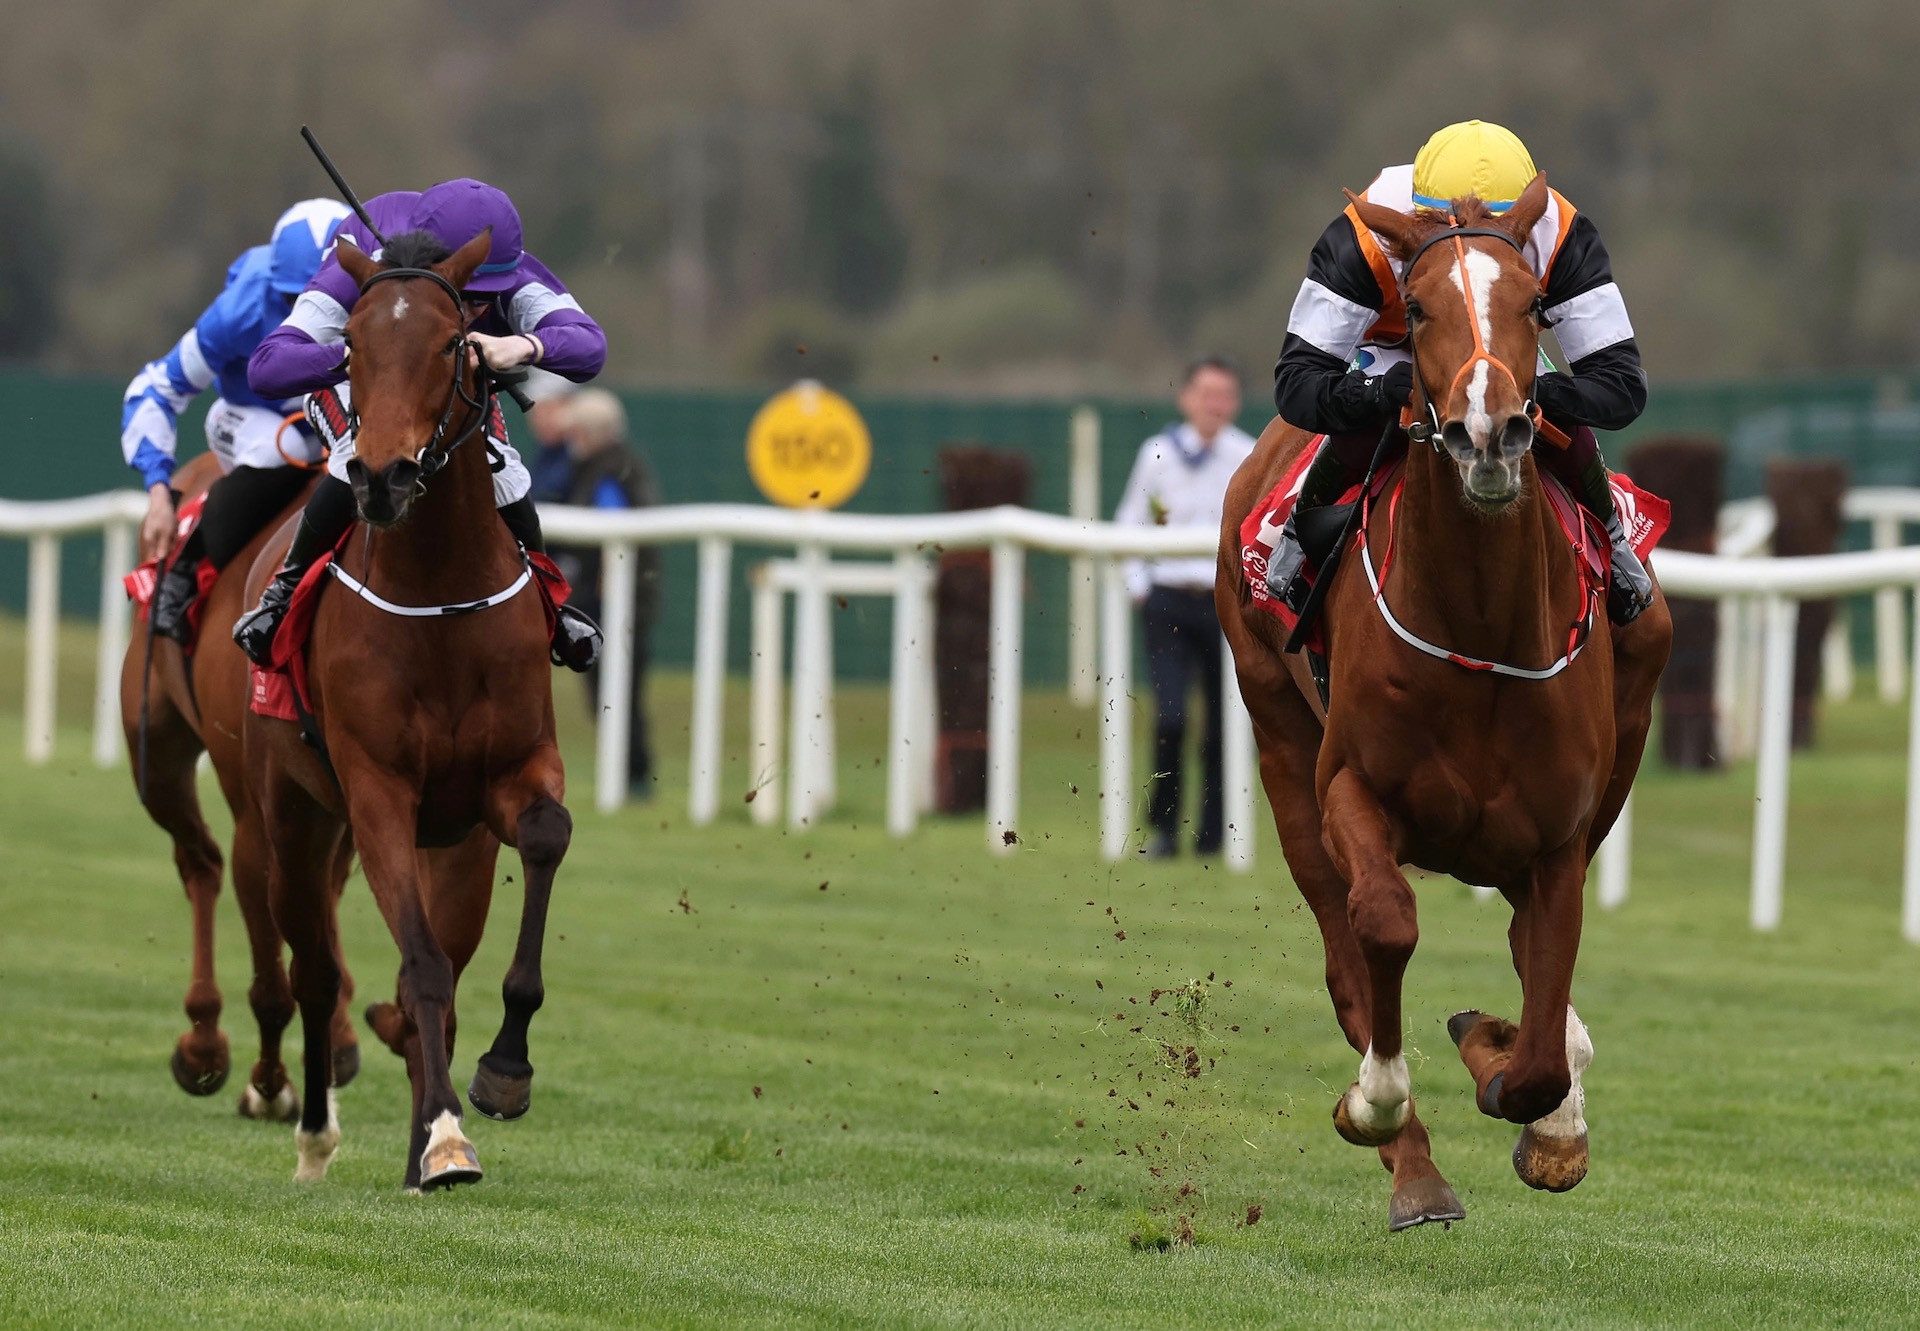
<point>278,1109</point>
<point>1381,1097</point>
<point>316,1148</point>
<point>1570,1119</point>
<point>445,1128</point>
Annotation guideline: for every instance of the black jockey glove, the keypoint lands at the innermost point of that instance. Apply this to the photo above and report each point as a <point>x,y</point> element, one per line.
<point>1394,385</point>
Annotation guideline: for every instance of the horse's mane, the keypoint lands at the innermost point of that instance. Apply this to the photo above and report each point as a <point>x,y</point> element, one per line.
<point>413,249</point>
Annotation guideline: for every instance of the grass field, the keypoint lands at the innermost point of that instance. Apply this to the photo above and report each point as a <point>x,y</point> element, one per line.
<point>829,1079</point>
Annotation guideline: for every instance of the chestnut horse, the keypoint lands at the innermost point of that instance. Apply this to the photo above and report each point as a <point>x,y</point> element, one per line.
<point>438,726</point>
<point>1502,781</point>
<point>192,704</point>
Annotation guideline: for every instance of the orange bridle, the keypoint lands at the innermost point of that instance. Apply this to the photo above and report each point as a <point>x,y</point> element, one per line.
<point>1457,234</point>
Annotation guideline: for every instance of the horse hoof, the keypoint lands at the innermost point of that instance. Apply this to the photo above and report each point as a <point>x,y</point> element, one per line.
<point>283,1107</point>
<point>1461,1022</point>
<point>449,1158</point>
<point>1422,1202</point>
<point>500,1095</point>
<point>346,1063</point>
<point>200,1081</point>
<point>1551,1164</point>
<point>1363,1133</point>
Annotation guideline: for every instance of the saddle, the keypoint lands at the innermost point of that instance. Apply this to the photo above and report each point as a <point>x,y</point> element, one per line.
<point>144,581</point>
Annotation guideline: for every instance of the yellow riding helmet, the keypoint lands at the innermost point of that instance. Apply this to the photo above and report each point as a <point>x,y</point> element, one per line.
<point>1472,157</point>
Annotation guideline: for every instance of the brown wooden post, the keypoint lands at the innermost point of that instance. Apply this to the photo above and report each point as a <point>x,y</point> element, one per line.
<point>970,477</point>
<point>1806,495</point>
<point>1690,474</point>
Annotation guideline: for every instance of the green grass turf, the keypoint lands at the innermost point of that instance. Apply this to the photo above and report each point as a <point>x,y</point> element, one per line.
<point>829,1079</point>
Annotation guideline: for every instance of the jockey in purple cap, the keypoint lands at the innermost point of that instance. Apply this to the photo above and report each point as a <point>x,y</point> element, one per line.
<point>522,315</point>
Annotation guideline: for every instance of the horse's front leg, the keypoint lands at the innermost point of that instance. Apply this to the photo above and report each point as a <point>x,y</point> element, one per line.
<point>385,816</point>
<point>1531,1074</point>
<point>1365,848</point>
<point>525,812</point>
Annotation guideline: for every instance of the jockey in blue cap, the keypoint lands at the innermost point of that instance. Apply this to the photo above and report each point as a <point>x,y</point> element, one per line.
<point>521,315</point>
<point>244,428</point>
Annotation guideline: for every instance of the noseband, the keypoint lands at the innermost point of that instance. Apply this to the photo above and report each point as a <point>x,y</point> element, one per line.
<point>434,455</point>
<point>1428,431</point>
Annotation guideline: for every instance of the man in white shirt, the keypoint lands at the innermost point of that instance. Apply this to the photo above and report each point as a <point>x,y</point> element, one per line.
<point>1180,480</point>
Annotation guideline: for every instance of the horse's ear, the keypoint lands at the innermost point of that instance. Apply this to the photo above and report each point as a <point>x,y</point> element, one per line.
<point>459,267</point>
<point>1398,229</point>
<point>354,261</point>
<point>1527,210</point>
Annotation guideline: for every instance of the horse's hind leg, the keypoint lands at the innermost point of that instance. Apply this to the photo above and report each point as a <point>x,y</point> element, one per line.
<point>303,838</point>
<point>269,1092</point>
<point>345,1039</point>
<point>527,814</point>
<point>1421,1193</point>
<point>200,1058</point>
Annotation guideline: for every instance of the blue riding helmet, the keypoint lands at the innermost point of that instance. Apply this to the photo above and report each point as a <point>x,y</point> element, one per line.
<point>300,241</point>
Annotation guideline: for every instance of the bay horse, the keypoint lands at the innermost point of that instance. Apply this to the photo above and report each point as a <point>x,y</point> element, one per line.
<point>174,706</point>
<point>437,728</point>
<point>1502,781</point>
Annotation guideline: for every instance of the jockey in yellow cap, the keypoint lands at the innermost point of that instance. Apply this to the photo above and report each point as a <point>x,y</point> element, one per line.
<point>1344,368</point>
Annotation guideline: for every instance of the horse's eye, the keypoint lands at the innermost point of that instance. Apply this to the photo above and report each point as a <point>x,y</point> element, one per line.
<point>1414,312</point>
<point>453,345</point>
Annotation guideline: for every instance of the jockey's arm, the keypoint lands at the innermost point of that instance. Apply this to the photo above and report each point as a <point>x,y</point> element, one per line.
<point>1604,385</point>
<point>1313,386</point>
<point>150,410</point>
<point>307,352</point>
<point>565,338</point>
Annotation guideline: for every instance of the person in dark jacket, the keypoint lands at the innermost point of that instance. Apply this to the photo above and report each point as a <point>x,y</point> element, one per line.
<point>589,463</point>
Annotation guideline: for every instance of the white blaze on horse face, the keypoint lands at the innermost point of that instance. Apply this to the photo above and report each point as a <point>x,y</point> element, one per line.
<point>1570,1119</point>
<point>1480,272</point>
<point>399,306</point>
<point>1381,1098</point>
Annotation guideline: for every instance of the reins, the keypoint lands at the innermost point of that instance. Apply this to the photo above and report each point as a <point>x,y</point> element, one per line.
<point>434,456</point>
<point>1427,431</point>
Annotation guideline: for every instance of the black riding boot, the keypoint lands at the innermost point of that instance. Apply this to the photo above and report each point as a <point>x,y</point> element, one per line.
<point>328,515</point>
<point>576,638</point>
<point>1630,589</point>
<point>1327,478</point>
<point>178,588</point>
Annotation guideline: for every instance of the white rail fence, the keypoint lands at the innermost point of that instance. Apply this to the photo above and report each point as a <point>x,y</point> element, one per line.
<point>1760,597</point>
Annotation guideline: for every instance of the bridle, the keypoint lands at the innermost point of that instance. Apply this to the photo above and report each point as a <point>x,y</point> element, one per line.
<point>1427,431</point>
<point>435,454</point>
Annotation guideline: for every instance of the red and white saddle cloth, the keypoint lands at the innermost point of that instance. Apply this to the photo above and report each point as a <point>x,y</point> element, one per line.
<point>145,579</point>
<point>282,691</point>
<point>1644,513</point>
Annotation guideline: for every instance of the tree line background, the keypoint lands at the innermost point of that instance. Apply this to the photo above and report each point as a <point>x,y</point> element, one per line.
<point>996,196</point>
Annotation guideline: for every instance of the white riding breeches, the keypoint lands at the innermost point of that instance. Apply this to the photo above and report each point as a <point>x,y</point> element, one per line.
<point>511,479</point>
<point>252,437</point>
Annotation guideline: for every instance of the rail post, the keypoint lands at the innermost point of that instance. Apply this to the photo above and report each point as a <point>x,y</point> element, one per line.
<point>1003,697</point>
<point>1889,633</point>
<point>618,561</point>
<point>768,664</point>
<point>1237,764</point>
<point>1780,615</point>
<point>43,643</point>
<point>709,679</point>
<point>116,615</point>
<point>1083,502</point>
<point>1116,712</point>
<point>904,722</point>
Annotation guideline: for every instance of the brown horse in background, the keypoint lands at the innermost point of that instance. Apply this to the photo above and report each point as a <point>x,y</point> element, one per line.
<point>193,705</point>
<point>1506,782</point>
<point>439,729</point>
